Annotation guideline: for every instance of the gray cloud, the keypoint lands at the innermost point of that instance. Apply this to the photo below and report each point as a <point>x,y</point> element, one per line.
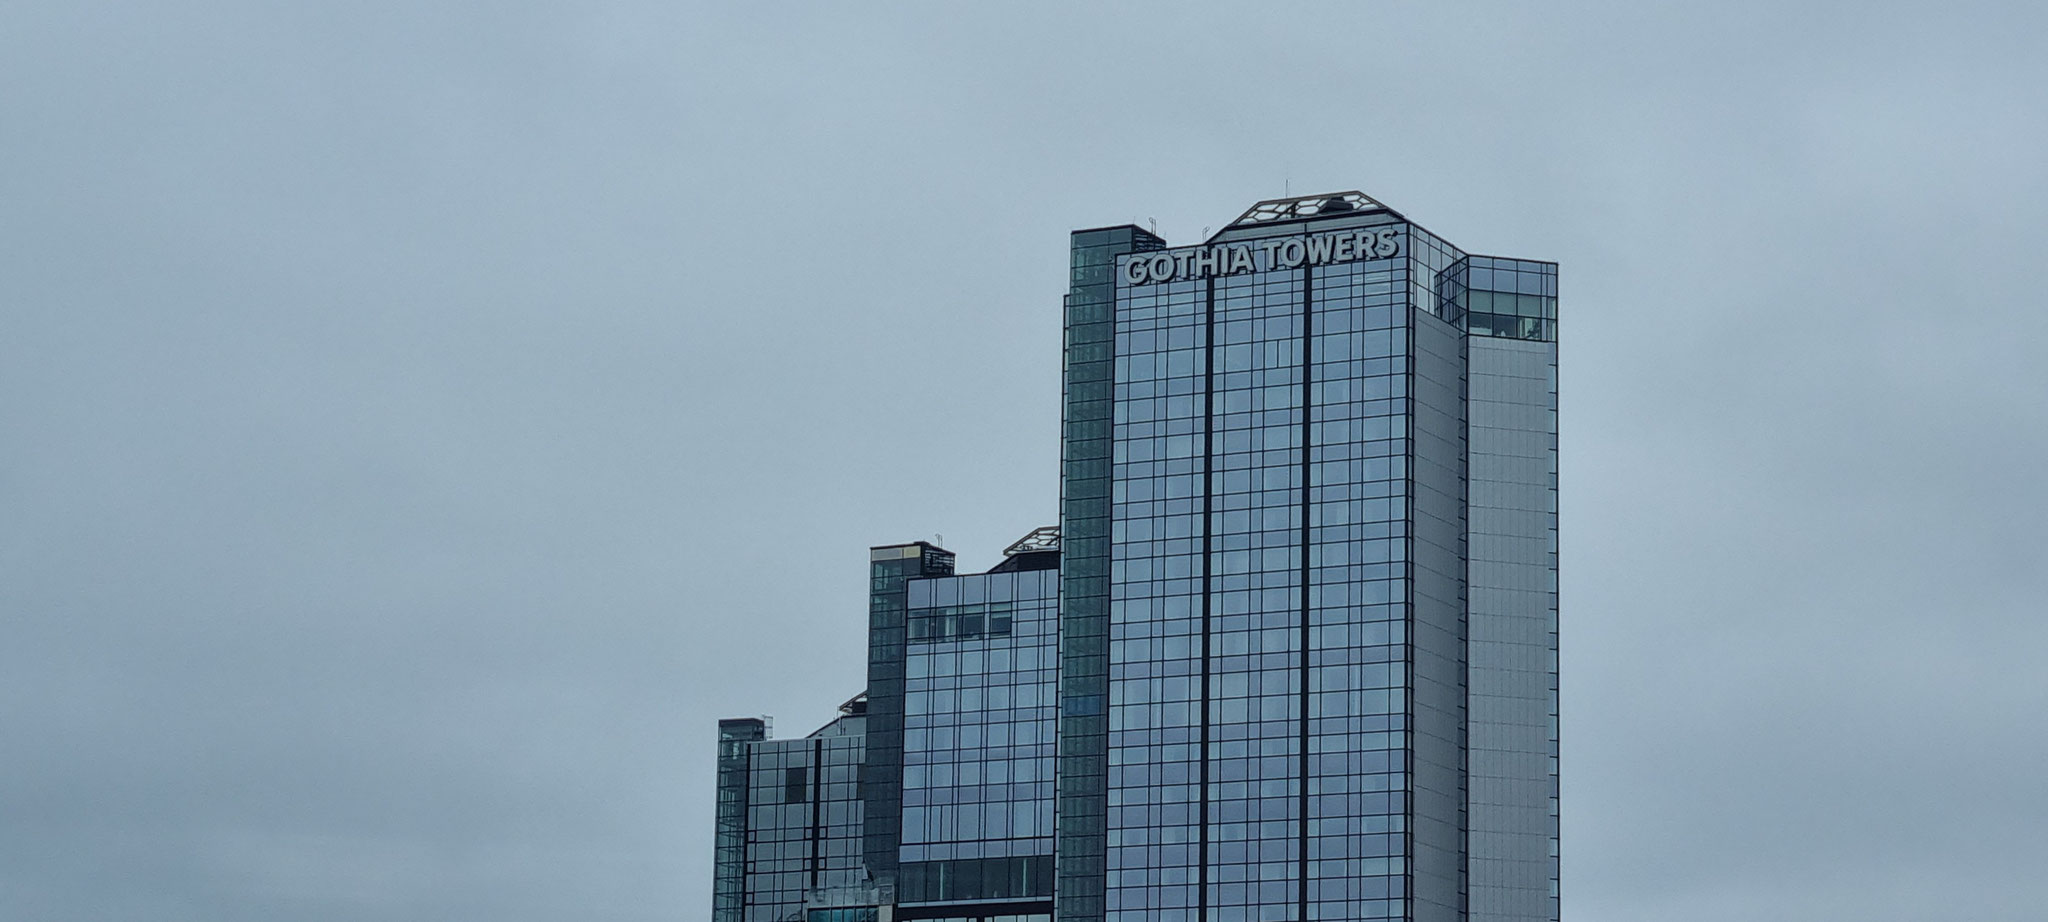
<point>422,424</point>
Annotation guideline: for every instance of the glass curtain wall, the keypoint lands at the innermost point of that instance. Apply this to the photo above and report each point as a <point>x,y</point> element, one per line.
<point>1257,734</point>
<point>978,737</point>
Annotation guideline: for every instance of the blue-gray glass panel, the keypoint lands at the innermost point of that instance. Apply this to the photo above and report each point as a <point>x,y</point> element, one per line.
<point>1154,694</point>
<point>1361,468</point>
<point>1285,458</point>
<point>891,569</point>
<point>804,821</point>
<point>729,856</point>
<point>1084,568</point>
<point>1502,298</point>
<point>1257,516</point>
<point>979,715</point>
<point>1513,614</point>
<point>1437,620</point>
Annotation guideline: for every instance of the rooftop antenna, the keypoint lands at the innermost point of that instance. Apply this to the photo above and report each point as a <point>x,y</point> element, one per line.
<point>939,540</point>
<point>1155,225</point>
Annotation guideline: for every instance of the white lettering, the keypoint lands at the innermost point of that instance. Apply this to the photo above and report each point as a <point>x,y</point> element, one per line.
<point>1277,253</point>
<point>1240,259</point>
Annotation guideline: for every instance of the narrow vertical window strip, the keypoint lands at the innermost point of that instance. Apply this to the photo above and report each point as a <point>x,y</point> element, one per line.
<point>1308,302</point>
<point>1407,579</point>
<point>816,792</point>
<point>1208,528</point>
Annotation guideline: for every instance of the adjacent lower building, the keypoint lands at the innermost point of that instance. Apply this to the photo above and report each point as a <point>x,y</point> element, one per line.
<point>1289,655</point>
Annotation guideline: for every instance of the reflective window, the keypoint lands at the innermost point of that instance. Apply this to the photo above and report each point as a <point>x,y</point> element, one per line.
<point>979,720</point>
<point>1258,579</point>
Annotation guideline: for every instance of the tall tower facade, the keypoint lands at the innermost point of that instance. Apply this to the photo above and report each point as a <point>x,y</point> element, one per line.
<point>1291,653</point>
<point>1309,494</point>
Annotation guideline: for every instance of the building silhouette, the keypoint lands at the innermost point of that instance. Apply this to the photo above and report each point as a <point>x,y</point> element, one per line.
<point>1290,654</point>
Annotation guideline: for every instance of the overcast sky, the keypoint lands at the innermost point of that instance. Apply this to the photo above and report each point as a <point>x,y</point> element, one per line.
<point>420,422</point>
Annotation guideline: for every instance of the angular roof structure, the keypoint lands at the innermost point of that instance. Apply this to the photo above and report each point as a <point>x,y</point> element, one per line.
<point>1307,206</point>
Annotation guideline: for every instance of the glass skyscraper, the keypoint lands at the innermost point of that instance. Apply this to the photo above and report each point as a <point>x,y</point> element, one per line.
<point>1291,653</point>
